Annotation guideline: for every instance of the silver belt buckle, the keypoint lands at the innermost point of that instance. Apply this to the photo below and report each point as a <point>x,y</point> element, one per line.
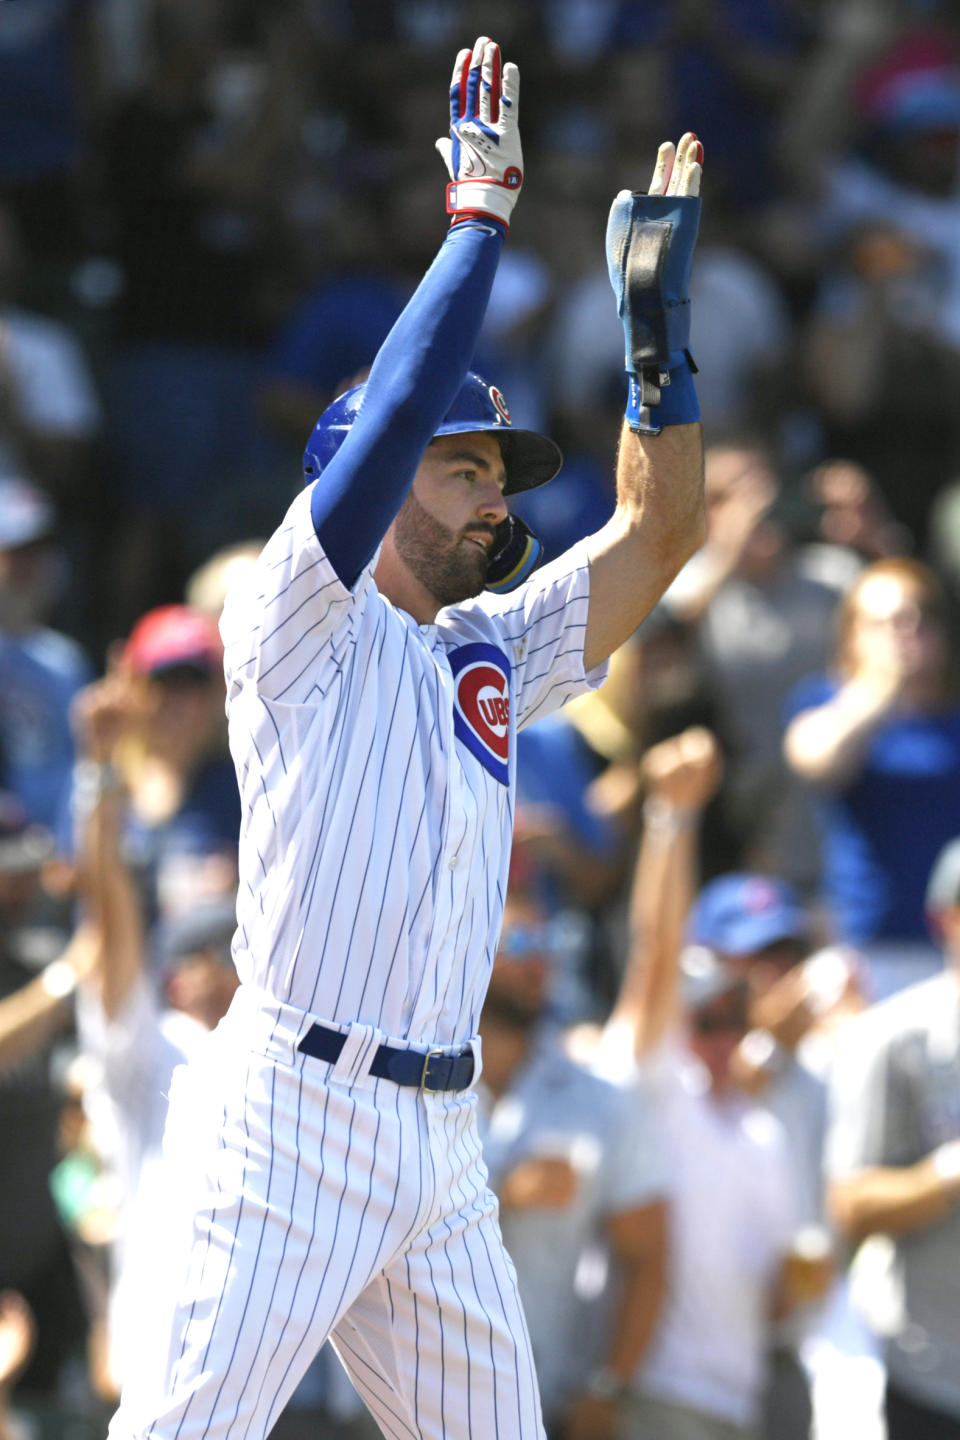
<point>430,1055</point>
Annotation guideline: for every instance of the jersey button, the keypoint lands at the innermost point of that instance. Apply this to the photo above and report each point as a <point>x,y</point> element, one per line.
<point>452,862</point>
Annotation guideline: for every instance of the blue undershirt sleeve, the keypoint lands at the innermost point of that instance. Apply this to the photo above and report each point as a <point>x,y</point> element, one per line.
<point>414,379</point>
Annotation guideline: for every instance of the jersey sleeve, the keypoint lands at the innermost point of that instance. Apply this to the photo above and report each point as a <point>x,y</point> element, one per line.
<point>543,628</point>
<point>291,614</point>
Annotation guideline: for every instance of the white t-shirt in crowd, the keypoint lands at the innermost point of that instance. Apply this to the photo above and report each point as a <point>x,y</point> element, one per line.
<point>733,1210</point>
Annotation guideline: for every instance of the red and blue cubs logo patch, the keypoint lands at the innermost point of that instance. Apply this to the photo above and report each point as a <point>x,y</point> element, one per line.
<point>499,404</point>
<point>481,706</point>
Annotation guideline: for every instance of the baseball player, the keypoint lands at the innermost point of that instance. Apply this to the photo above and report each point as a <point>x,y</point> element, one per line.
<point>324,1163</point>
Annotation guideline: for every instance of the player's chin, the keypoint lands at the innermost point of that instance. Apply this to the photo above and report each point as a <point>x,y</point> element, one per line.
<point>466,577</point>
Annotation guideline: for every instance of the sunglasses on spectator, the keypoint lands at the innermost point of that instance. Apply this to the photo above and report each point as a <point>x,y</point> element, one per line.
<point>181,677</point>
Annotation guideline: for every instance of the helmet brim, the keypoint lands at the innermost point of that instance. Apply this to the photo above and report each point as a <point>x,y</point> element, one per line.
<point>529,459</point>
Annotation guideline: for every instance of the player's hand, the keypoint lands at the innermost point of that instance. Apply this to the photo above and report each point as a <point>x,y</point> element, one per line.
<point>483,154</point>
<point>678,167</point>
<point>649,244</point>
<point>684,770</point>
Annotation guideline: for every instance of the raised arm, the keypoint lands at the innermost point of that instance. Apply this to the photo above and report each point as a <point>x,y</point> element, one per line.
<point>680,776</point>
<point>39,1010</point>
<point>424,359</point>
<point>103,714</point>
<point>658,522</point>
<point>828,744</point>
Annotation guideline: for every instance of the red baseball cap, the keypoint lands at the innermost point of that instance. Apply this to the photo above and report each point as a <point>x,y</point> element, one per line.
<point>174,635</point>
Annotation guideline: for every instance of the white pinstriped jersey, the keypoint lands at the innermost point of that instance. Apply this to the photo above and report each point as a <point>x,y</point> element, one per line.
<point>376,762</point>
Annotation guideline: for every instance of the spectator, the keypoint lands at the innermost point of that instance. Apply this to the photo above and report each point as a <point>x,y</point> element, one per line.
<point>878,370</point>
<point>40,669</point>
<point>762,624</point>
<point>191,162</point>
<point>758,926</point>
<point>333,332</point>
<point>679,1019</point>
<point>136,1038</point>
<point>579,856</point>
<point>49,408</point>
<point>894,1169</point>
<point>170,756</point>
<point>16,1342</point>
<point>33,1015</point>
<point>46,98</point>
<point>873,133</point>
<point>854,523</point>
<point>576,1171</point>
<point>879,738</point>
<point>35,1258</point>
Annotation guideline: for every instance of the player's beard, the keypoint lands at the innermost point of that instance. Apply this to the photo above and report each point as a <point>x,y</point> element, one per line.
<point>451,567</point>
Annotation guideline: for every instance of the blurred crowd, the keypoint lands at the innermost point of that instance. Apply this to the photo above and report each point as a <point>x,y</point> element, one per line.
<point>721,1089</point>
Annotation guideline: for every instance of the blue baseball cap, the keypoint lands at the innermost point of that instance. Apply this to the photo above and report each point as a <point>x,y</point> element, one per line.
<point>738,914</point>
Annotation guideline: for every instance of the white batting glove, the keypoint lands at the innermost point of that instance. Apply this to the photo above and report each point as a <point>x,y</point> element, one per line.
<point>483,155</point>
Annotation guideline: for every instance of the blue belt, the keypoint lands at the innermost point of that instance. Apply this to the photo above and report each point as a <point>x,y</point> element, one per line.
<point>430,1070</point>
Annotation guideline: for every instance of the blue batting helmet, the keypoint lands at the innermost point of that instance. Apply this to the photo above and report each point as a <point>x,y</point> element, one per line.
<point>529,459</point>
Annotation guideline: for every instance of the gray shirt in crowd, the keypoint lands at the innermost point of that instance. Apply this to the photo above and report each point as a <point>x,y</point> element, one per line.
<point>895,1096</point>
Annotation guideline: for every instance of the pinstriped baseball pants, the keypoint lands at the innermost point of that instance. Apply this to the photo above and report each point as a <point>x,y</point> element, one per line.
<point>307,1201</point>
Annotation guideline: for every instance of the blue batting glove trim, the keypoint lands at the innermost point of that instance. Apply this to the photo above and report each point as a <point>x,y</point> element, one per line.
<point>678,399</point>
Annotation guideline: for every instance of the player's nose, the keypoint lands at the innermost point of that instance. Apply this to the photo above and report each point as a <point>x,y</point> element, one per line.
<point>491,503</point>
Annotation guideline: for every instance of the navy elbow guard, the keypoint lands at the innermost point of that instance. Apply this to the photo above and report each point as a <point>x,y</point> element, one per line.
<point>650,242</point>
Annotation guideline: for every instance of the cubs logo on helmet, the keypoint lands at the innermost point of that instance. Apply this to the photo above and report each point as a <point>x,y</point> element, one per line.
<point>481,709</point>
<point>500,404</point>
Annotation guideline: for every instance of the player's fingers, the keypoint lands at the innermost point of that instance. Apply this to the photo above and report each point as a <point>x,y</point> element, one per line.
<point>458,85</point>
<point>690,179</point>
<point>661,171</point>
<point>688,144</point>
<point>510,92</point>
<point>689,183</point>
<point>472,101</point>
<point>490,84</point>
